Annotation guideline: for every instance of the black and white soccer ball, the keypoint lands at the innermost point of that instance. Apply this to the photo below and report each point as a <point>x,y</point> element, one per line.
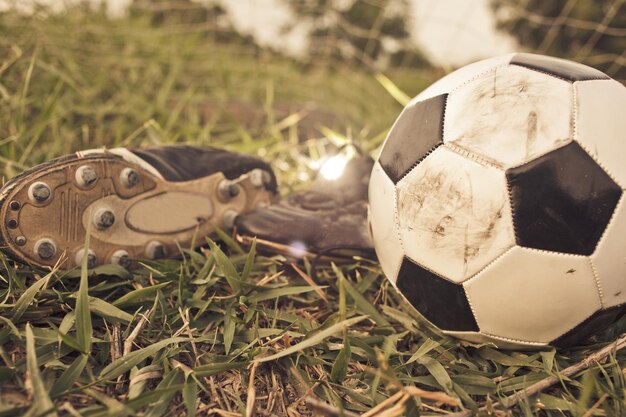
<point>497,206</point>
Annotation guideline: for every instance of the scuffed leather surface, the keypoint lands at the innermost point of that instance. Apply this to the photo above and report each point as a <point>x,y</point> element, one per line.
<point>329,214</point>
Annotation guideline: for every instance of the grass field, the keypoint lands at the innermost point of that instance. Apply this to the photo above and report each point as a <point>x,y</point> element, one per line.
<point>226,331</point>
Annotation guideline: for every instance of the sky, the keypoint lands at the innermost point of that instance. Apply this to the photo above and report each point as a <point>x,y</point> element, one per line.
<point>451,32</point>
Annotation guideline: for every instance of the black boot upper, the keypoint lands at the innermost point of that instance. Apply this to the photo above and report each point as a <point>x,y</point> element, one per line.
<point>185,162</point>
<point>330,214</point>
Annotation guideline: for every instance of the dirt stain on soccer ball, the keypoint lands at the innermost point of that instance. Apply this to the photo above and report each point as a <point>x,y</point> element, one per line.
<point>531,136</point>
<point>443,210</point>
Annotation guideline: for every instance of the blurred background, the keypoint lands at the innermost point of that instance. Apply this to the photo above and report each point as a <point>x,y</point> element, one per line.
<point>290,80</point>
<point>293,81</point>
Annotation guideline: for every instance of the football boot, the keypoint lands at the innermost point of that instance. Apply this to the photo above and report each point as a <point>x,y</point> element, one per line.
<point>137,203</point>
<point>327,220</point>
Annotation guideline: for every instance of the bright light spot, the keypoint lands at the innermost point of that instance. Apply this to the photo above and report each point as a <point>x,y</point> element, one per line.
<point>333,167</point>
<point>297,249</point>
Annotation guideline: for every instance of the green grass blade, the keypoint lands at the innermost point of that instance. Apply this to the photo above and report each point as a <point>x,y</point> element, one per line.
<point>190,395</point>
<point>41,400</point>
<point>6,373</point>
<point>70,342</point>
<point>313,340</point>
<point>159,408</point>
<point>343,305</point>
<point>340,367</point>
<point>84,329</point>
<point>27,297</point>
<point>152,396</point>
<point>138,294</point>
<point>362,304</point>
<point>108,310</point>
<point>229,241</point>
<point>428,345</point>
<point>69,376</point>
<point>245,274</point>
<point>114,408</point>
<point>436,369</point>
<point>124,364</point>
<point>280,292</point>
<point>227,267</point>
<point>229,330</point>
<point>211,369</point>
<point>11,327</point>
<point>395,92</point>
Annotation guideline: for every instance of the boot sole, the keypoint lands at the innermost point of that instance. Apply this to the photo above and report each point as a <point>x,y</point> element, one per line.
<point>134,213</point>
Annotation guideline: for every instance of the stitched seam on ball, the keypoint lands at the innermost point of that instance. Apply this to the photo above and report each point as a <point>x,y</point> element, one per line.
<point>573,255</point>
<point>600,164</point>
<point>508,339</point>
<point>431,150</point>
<point>396,221</point>
<point>432,271</point>
<point>558,76</point>
<point>419,161</point>
<point>617,208</point>
<point>575,136</point>
<point>598,285</point>
<point>566,333</point>
<point>574,113</point>
<point>471,155</point>
<point>539,155</point>
<point>511,207</point>
<point>480,75</point>
<point>471,306</point>
<point>468,81</point>
<point>420,316</point>
<point>496,259</point>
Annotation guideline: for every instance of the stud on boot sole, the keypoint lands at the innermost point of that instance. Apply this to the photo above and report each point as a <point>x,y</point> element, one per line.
<point>134,213</point>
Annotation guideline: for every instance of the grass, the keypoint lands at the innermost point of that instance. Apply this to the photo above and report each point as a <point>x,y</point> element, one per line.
<point>226,331</point>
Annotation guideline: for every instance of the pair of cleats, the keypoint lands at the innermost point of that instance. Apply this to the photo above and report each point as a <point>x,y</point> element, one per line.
<point>149,203</point>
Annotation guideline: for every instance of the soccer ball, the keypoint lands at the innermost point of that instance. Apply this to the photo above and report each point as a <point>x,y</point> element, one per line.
<point>496,205</point>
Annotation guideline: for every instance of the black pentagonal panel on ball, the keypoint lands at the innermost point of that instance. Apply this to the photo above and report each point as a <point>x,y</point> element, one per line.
<point>596,323</point>
<point>562,201</point>
<point>440,301</point>
<point>418,130</point>
<point>561,68</point>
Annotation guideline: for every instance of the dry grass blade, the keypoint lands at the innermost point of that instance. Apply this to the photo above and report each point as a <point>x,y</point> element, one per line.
<point>251,401</point>
<point>439,397</point>
<point>128,343</point>
<point>542,385</point>
<point>567,372</point>
<point>310,281</point>
<point>391,400</point>
<point>321,408</point>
